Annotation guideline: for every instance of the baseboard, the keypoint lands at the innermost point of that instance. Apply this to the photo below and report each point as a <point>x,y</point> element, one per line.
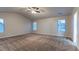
<point>13,35</point>
<point>69,38</point>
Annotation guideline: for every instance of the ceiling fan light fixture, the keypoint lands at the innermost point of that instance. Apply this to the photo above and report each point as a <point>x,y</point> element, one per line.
<point>33,12</point>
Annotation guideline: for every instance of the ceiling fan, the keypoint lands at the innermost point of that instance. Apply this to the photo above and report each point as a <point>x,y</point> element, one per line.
<point>33,9</point>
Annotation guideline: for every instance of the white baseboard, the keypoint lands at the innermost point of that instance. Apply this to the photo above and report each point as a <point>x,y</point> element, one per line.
<point>49,34</point>
<point>12,35</point>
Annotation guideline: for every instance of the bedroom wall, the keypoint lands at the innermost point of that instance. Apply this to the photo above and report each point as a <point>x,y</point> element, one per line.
<point>68,32</point>
<point>78,28</point>
<point>76,40</point>
<point>49,26</point>
<point>15,24</point>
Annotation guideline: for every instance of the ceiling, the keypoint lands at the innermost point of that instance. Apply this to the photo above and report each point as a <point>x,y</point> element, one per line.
<point>46,12</point>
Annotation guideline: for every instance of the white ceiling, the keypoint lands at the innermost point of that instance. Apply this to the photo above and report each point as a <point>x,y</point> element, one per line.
<point>45,11</point>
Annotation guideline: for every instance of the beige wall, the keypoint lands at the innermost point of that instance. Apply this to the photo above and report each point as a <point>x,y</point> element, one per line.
<point>78,28</point>
<point>68,32</point>
<point>15,24</point>
<point>77,9</point>
<point>49,26</point>
<point>72,27</point>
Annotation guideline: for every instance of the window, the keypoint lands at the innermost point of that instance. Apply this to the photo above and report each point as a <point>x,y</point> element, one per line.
<point>1,25</point>
<point>61,25</point>
<point>34,26</point>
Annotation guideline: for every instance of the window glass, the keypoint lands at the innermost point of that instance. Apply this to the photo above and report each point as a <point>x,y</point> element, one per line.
<point>1,25</point>
<point>61,24</point>
<point>34,26</point>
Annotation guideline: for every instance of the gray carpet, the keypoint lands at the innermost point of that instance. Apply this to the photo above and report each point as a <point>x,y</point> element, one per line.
<point>36,42</point>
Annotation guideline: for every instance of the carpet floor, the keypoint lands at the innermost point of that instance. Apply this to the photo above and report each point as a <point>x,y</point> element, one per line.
<point>36,42</point>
